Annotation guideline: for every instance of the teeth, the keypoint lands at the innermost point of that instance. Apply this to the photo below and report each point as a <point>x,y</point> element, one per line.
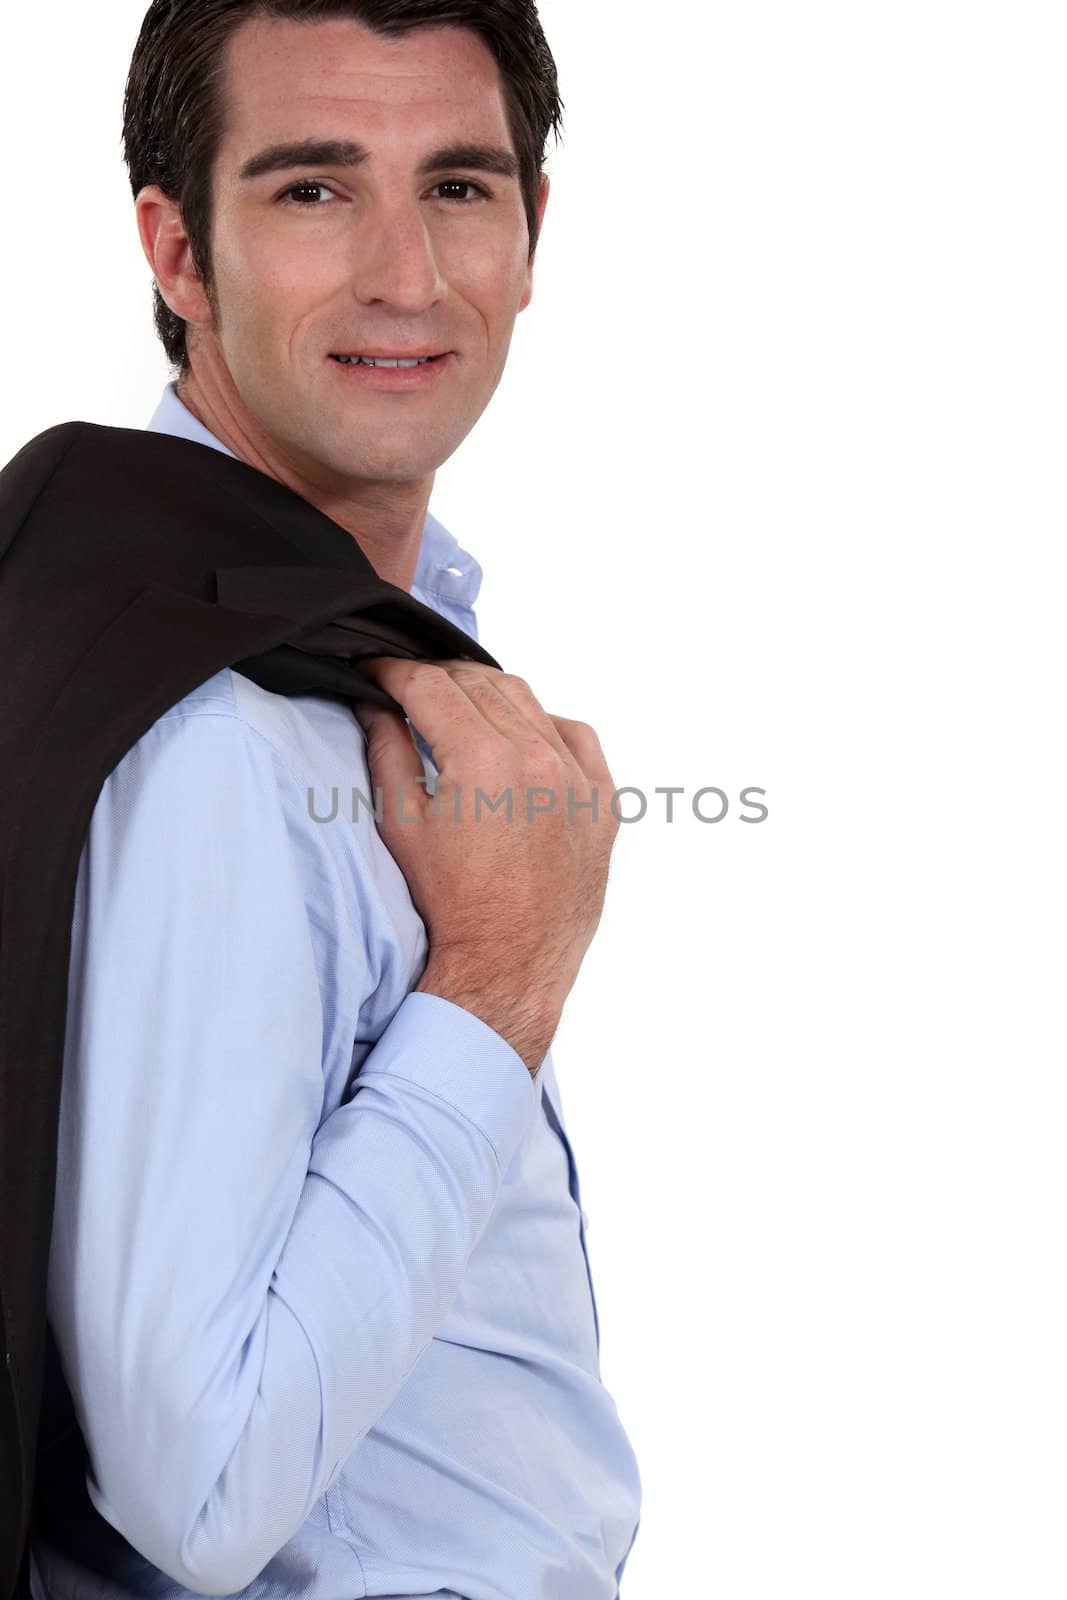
<point>373,361</point>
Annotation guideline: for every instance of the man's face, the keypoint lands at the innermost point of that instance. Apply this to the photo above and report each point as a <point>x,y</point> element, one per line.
<point>383,256</point>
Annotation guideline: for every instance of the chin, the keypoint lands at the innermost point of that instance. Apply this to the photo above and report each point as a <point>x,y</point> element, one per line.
<point>385,468</point>
<point>390,460</point>
<point>345,453</point>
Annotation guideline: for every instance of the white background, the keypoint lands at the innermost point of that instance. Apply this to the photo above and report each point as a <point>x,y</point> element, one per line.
<point>772,493</point>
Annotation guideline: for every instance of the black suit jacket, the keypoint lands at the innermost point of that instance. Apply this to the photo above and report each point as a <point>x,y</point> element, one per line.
<point>133,566</point>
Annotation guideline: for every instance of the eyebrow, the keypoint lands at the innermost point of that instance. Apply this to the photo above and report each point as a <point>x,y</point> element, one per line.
<point>347,153</point>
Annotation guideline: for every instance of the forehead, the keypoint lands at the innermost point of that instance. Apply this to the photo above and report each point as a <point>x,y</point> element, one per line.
<point>289,77</point>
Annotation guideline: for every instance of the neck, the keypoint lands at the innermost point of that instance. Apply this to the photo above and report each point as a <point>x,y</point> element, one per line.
<point>385,519</point>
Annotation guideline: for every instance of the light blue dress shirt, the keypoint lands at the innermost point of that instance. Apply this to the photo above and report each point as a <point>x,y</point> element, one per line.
<point>318,1275</point>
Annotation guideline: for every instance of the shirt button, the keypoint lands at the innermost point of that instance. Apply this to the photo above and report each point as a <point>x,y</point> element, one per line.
<point>585,1220</point>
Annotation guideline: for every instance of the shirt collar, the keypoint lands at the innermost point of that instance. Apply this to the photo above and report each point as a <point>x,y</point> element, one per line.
<point>444,572</point>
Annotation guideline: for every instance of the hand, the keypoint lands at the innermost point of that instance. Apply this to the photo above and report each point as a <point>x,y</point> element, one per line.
<point>510,906</point>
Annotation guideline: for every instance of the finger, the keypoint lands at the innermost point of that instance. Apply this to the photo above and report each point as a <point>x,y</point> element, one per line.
<point>510,704</point>
<point>393,758</point>
<point>471,693</point>
<point>447,717</point>
<point>586,749</point>
<point>506,701</point>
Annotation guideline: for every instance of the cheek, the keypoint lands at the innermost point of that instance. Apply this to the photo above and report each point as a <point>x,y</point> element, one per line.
<point>273,275</point>
<point>483,260</point>
<point>491,282</point>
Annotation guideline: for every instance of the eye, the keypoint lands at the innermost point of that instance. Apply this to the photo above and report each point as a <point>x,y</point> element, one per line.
<point>462,183</point>
<point>304,185</point>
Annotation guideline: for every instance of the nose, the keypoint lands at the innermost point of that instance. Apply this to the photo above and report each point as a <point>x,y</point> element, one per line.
<point>395,262</point>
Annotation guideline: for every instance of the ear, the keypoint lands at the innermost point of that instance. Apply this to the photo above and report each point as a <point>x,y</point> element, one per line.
<point>167,250</point>
<point>542,202</point>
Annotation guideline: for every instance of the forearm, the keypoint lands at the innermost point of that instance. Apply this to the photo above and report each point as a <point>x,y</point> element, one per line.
<point>399,1187</point>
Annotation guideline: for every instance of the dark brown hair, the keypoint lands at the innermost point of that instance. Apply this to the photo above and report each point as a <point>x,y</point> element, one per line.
<point>173,115</point>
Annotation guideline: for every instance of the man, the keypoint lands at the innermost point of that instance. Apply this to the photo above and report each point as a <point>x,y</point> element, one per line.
<point>318,1280</point>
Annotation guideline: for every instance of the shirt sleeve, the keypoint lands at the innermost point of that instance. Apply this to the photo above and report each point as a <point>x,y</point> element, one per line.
<point>238,1286</point>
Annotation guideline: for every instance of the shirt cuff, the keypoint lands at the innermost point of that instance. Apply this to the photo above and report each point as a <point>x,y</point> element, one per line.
<point>442,1047</point>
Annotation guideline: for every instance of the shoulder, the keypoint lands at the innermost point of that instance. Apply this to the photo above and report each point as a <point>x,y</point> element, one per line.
<point>217,766</point>
<point>253,770</point>
<point>24,477</point>
<point>308,738</point>
<point>215,716</point>
<point>39,456</point>
<point>223,810</point>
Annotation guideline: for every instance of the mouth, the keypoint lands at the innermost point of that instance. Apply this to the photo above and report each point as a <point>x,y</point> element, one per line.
<point>397,363</point>
<point>392,373</point>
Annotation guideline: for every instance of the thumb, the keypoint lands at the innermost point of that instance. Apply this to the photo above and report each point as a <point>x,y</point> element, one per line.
<point>392,753</point>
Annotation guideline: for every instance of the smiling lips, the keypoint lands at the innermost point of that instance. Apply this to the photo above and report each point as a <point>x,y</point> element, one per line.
<point>398,374</point>
<point>386,361</point>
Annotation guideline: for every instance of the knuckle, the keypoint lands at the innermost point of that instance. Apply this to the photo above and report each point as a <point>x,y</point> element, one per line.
<point>430,674</point>
<point>518,684</point>
<point>476,679</point>
<point>483,682</point>
<point>581,730</point>
<point>538,755</point>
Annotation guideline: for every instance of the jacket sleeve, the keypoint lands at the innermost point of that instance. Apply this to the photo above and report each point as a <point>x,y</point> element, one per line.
<point>239,1286</point>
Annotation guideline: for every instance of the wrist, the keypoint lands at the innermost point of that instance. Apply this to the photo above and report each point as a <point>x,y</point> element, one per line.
<point>527,1020</point>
